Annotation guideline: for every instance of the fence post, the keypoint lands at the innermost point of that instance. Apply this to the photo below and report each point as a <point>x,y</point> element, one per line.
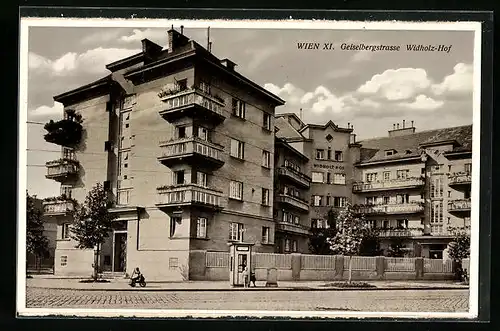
<point>380,266</point>
<point>419,267</point>
<point>296,266</point>
<point>339,267</point>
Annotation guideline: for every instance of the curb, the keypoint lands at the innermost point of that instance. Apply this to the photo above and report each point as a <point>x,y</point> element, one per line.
<point>257,289</point>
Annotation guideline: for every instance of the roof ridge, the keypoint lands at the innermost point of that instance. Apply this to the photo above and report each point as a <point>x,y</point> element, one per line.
<point>416,133</point>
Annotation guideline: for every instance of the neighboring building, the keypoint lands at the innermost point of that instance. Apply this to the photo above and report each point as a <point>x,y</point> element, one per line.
<point>415,185</point>
<point>185,146</point>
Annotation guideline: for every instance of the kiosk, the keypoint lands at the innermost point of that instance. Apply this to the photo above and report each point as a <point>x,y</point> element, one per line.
<point>240,256</point>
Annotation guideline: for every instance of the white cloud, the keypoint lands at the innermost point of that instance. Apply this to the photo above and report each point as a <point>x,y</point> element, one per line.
<point>54,111</point>
<point>423,102</point>
<point>138,35</point>
<point>92,61</point>
<point>361,56</point>
<point>397,84</point>
<point>103,36</point>
<point>459,82</point>
<point>339,73</point>
<point>289,92</point>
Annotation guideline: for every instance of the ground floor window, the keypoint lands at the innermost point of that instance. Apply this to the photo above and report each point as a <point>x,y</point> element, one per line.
<point>65,233</point>
<point>201,227</point>
<point>173,263</point>
<point>265,234</point>
<point>236,231</point>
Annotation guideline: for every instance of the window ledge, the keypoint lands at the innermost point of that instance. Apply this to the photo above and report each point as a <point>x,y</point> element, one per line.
<point>235,199</point>
<point>238,117</point>
<point>266,130</point>
<point>237,158</point>
<point>267,244</point>
<point>267,168</point>
<point>68,239</point>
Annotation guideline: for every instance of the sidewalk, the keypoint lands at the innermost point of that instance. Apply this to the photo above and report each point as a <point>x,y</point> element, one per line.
<point>39,281</point>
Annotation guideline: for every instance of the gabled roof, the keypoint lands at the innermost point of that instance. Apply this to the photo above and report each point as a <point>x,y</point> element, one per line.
<point>412,145</point>
<point>325,126</point>
<point>285,129</point>
<point>295,117</point>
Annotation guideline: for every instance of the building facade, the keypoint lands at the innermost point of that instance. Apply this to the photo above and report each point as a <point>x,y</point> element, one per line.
<point>184,145</point>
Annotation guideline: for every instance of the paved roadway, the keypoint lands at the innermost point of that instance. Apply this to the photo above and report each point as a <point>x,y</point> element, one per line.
<point>379,300</point>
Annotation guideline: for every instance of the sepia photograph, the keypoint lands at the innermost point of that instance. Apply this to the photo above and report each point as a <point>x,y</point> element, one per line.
<point>174,168</point>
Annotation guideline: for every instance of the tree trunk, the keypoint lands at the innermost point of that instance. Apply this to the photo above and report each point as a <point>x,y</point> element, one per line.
<point>96,262</point>
<point>350,269</point>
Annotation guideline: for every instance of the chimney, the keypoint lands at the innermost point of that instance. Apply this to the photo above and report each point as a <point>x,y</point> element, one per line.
<point>300,114</point>
<point>397,126</point>
<point>397,131</point>
<point>176,40</point>
<point>210,47</point>
<point>394,126</point>
<point>228,64</point>
<point>182,29</point>
<point>403,124</point>
<point>412,124</point>
<point>348,125</point>
<point>150,48</point>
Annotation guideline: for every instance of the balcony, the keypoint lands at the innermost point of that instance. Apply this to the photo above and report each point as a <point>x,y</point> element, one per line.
<point>405,233</point>
<point>395,184</point>
<point>59,206</point>
<point>460,205</point>
<point>66,132</point>
<point>294,202</point>
<point>192,151</point>
<point>389,209</point>
<point>62,169</point>
<point>459,178</point>
<point>297,177</point>
<point>292,228</point>
<point>176,197</point>
<point>192,103</point>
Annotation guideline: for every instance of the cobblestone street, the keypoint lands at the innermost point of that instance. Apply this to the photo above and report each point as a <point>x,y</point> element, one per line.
<point>380,300</point>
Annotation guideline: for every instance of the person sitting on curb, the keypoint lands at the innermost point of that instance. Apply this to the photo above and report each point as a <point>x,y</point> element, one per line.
<point>136,275</point>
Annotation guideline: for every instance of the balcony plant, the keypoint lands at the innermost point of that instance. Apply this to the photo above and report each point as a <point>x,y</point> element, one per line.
<point>65,132</point>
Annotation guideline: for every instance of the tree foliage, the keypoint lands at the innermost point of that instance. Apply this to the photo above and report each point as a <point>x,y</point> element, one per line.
<point>396,248</point>
<point>459,248</point>
<point>370,245</point>
<point>351,229</point>
<point>36,242</point>
<point>318,241</point>
<point>92,222</point>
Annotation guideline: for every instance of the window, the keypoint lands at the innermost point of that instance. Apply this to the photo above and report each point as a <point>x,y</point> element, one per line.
<point>437,187</point>
<point>181,85</point>
<point>173,263</point>
<point>123,197</point>
<point>201,179</point>
<point>64,260</point>
<point>449,168</point>
<point>370,200</point>
<point>236,190</point>
<point>237,149</point>
<point>266,121</point>
<point>266,159</point>
<point>238,108</point>
<point>468,167</point>
<point>174,221</point>
<point>437,217</point>
<point>181,132</point>
<point>385,224</point>
<point>329,153</point>
<point>203,133</point>
<point>402,224</point>
<point>201,227</point>
<point>265,235</point>
<point>389,152</point>
<point>402,198</point>
<point>66,191</point>
<point>68,153</point>
<point>205,87</point>
<point>338,156</point>
<point>65,231</point>
<point>236,231</point>
<point>292,165</point>
<point>265,196</point>
<point>317,200</point>
<point>296,219</point>
<point>339,201</point>
<point>328,200</point>
<point>294,246</point>
<point>179,178</point>
<point>371,177</point>
<point>317,177</point>
<point>387,175</point>
<point>339,179</point>
<point>287,245</point>
<point>449,194</point>
<point>386,200</point>
<point>436,168</point>
<point>402,174</point>
<point>328,178</point>
<point>320,154</point>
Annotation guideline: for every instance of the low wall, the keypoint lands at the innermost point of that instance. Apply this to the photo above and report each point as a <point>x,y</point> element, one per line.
<point>304,267</point>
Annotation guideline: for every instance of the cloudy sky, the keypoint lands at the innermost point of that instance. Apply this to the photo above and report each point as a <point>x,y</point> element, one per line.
<point>371,90</point>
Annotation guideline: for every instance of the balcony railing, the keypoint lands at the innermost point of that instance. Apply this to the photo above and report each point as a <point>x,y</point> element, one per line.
<point>459,205</point>
<point>459,178</point>
<point>293,201</point>
<point>441,230</point>
<point>62,168</point>
<point>388,233</point>
<point>58,206</point>
<point>174,151</point>
<point>192,98</point>
<point>297,176</point>
<point>190,194</point>
<point>403,208</point>
<point>290,227</point>
<point>388,184</point>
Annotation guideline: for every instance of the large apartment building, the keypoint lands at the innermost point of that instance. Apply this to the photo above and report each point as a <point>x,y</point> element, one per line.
<point>411,186</point>
<point>184,145</point>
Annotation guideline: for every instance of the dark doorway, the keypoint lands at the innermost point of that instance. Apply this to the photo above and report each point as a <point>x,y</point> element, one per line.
<point>120,252</point>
